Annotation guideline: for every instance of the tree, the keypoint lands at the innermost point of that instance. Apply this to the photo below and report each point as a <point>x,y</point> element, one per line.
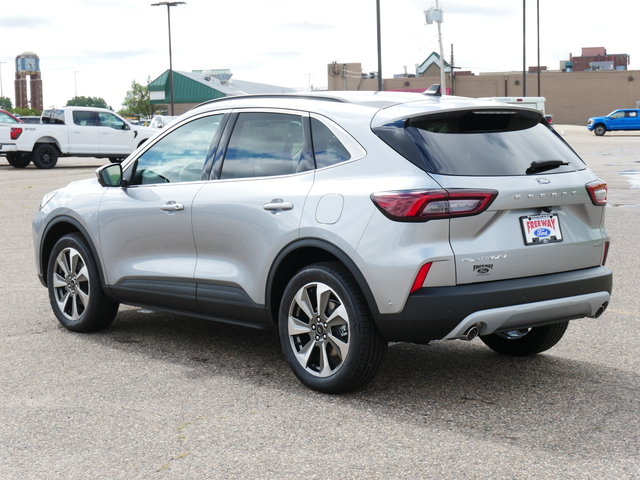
<point>5,104</point>
<point>137,102</point>
<point>27,112</point>
<point>87,102</point>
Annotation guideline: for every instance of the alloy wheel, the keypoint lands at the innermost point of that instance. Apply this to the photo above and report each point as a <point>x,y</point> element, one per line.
<point>318,329</point>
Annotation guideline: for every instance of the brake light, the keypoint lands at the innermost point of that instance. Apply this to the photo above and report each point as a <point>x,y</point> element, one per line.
<point>15,133</point>
<point>598,191</point>
<point>424,205</point>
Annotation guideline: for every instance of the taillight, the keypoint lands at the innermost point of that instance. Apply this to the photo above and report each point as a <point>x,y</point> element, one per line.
<point>424,205</point>
<point>598,192</point>
<point>15,133</point>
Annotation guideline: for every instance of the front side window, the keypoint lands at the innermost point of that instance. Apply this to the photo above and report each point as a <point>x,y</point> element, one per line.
<point>265,145</point>
<point>110,120</point>
<point>179,156</point>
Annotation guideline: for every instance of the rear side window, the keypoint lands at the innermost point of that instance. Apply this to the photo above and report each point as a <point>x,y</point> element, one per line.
<point>265,145</point>
<point>327,149</point>
<point>85,118</point>
<point>480,143</point>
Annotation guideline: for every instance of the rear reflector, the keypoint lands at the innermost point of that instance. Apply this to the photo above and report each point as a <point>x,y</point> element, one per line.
<point>424,205</point>
<point>420,277</point>
<point>598,191</point>
<point>605,254</point>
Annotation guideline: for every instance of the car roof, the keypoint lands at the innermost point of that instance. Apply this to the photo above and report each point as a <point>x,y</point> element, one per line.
<point>383,107</point>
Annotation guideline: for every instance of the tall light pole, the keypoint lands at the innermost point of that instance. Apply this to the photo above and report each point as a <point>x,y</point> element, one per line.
<point>1,91</point>
<point>379,47</point>
<point>538,14</point>
<point>75,82</point>
<point>524,48</point>
<point>169,5</point>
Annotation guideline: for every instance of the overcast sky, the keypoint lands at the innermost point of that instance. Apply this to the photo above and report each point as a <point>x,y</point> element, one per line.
<point>98,47</point>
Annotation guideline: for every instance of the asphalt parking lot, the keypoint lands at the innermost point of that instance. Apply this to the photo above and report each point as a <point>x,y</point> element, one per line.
<point>160,396</point>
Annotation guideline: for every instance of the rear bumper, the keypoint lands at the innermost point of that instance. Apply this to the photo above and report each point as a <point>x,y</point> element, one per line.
<point>447,312</point>
<point>8,147</point>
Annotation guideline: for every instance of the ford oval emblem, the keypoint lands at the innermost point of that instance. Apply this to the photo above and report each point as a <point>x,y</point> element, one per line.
<point>543,181</point>
<point>542,232</point>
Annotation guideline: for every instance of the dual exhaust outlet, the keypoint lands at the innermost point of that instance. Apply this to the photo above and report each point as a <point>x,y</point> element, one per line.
<point>474,330</point>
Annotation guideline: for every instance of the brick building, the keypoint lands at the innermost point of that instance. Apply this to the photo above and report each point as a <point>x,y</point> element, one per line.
<point>571,97</point>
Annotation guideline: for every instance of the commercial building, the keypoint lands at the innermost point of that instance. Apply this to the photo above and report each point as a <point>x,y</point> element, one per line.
<point>571,96</point>
<point>193,88</point>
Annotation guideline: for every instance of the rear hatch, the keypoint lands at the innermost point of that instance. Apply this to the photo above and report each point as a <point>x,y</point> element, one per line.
<point>548,213</point>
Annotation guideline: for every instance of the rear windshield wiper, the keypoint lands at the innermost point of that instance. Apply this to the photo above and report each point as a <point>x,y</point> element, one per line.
<point>544,165</point>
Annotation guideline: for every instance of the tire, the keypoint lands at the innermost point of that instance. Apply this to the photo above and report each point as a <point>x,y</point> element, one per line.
<point>600,130</point>
<point>520,343</point>
<point>75,291</point>
<point>44,155</point>
<point>116,159</point>
<point>326,331</point>
<point>18,160</point>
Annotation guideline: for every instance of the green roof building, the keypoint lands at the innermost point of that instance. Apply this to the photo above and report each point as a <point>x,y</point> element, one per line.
<point>193,88</point>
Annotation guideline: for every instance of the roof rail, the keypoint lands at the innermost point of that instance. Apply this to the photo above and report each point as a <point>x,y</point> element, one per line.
<point>298,96</point>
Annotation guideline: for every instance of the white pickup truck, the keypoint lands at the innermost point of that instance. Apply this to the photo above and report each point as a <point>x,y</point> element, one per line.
<point>71,131</point>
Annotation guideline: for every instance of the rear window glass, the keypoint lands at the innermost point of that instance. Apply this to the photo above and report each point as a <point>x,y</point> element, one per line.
<point>482,143</point>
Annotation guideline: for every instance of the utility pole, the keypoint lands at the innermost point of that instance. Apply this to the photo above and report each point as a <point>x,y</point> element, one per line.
<point>451,72</point>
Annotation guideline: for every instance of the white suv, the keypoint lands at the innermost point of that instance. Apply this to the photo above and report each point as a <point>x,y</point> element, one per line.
<point>345,220</point>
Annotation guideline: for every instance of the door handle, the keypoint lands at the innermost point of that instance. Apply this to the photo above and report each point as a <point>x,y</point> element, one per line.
<point>172,207</point>
<point>278,204</point>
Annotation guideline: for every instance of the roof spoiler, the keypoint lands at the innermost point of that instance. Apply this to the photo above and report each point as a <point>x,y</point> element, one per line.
<point>433,90</point>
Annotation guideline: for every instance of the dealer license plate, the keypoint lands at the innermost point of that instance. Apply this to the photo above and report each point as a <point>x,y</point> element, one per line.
<point>540,229</point>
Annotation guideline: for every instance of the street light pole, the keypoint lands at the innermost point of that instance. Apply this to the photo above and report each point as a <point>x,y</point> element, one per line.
<point>169,5</point>
<point>75,81</point>
<point>524,48</point>
<point>1,91</point>
<point>379,47</point>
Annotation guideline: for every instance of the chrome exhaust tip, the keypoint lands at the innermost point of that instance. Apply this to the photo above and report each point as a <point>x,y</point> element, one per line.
<point>472,332</point>
<point>601,310</point>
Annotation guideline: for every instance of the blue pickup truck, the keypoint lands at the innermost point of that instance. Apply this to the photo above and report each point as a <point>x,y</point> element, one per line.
<point>624,119</point>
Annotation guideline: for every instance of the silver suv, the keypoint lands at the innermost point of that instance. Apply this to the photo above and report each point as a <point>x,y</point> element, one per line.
<point>345,220</point>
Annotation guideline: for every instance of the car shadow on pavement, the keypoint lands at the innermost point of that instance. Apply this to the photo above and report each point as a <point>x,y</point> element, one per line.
<point>554,402</point>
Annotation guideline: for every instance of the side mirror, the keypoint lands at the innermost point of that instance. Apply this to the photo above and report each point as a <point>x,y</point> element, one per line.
<point>110,175</point>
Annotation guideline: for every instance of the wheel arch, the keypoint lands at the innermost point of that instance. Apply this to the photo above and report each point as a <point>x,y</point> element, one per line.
<point>300,254</point>
<point>49,140</point>
<point>55,230</point>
